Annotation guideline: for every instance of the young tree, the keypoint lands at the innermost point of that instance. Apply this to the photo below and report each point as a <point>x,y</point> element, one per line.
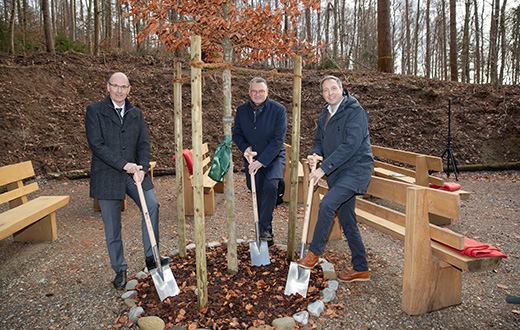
<point>385,61</point>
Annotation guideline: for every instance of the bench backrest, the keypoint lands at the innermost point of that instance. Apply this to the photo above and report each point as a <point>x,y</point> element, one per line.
<point>420,164</point>
<point>12,183</point>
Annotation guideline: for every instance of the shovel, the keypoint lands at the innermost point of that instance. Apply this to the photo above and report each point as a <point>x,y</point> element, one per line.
<point>258,249</point>
<point>162,275</point>
<point>298,277</point>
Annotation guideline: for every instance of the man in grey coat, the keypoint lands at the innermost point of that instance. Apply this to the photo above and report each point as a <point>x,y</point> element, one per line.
<point>118,138</point>
<point>343,140</point>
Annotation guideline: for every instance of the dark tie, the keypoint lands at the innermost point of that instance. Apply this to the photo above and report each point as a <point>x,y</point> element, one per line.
<point>118,110</point>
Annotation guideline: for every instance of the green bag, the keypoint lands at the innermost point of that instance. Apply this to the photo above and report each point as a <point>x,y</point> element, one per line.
<point>221,161</point>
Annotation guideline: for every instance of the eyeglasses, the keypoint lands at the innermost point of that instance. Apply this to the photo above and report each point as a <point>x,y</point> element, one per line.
<point>123,87</point>
<point>261,91</point>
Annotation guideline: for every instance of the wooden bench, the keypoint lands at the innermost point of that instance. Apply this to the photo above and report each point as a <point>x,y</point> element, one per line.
<point>26,220</point>
<point>123,203</point>
<point>210,186</point>
<point>432,274</point>
<point>302,182</point>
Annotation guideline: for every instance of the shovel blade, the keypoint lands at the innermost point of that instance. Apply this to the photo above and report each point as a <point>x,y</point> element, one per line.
<point>259,255</point>
<point>165,284</point>
<point>297,280</point>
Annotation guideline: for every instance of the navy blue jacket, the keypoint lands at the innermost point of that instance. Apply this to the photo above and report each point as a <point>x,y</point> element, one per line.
<point>345,146</point>
<point>265,136</point>
<point>113,145</point>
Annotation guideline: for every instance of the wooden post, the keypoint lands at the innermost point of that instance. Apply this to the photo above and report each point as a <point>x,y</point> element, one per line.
<point>229,189</point>
<point>295,156</point>
<point>198,188</point>
<point>179,161</point>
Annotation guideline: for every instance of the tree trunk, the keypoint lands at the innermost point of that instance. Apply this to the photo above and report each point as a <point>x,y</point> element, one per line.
<point>11,27</point>
<point>503,43</point>
<point>477,61</point>
<point>47,27</point>
<point>385,61</point>
<point>493,48</point>
<point>465,77</point>
<point>427,55</point>
<point>453,42</point>
<point>97,27</point>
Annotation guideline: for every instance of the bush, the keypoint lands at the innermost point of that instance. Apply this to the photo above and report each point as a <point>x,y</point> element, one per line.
<point>64,43</point>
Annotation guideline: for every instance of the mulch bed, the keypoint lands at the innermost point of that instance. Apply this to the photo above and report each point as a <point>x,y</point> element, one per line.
<point>252,297</point>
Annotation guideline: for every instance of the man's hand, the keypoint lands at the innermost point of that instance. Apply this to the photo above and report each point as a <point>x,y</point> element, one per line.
<point>139,176</point>
<point>254,167</point>
<point>132,168</point>
<point>317,174</point>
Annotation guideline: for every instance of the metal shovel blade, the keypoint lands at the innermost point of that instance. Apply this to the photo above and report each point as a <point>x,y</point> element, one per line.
<point>297,280</point>
<point>165,284</point>
<point>259,255</point>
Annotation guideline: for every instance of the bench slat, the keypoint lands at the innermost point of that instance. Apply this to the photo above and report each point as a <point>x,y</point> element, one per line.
<point>16,172</point>
<point>406,157</point>
<point>16,219</point>
<point>438,234</point>
<point>18,192</point>
<point>440,251</point>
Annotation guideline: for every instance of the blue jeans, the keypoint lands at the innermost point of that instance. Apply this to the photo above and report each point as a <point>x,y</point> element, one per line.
<point>343,200</point>
<point>111,214</point>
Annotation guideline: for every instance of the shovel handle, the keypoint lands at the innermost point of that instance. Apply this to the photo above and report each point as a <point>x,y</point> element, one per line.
<point>308,205</point>
<point>255,203</point>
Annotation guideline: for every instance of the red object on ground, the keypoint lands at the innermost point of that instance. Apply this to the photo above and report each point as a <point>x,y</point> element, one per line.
<point>188,157</point>
<point>448,186</point>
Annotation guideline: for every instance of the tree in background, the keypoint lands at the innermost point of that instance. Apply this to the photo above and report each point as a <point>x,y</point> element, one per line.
<point>256,33</point>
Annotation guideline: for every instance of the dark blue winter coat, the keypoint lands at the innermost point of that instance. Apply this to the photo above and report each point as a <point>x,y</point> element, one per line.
<point>265,136</point>
<point>345,146</point>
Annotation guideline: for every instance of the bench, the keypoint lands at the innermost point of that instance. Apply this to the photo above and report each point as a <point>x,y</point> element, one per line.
<point>302,187</point>
<point>123,203</point>
<point>210,186</point>
<point>432,274</point>
<point>27,220</point>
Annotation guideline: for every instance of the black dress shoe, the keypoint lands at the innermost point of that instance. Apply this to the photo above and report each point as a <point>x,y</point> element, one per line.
<point>265,235</point>
<point>120,280</point>
<point>150,262</point>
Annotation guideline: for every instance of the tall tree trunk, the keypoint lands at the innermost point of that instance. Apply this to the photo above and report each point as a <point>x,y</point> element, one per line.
<point>465,76</point>
<point>503,43</point>
<point>11,26</point>
<point>453,41</point>
<point>427,55</point>
<point>444,42</point>
<point>477,61</point>
<point>407,36</point>
<point>385,61</point>
<point>47,27</point>
<point>415,58</point>
<point>97,27</point>
<point>493,47</point>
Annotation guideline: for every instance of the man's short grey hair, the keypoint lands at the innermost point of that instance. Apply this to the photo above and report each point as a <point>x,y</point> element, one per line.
<point>330,77</point>
<point>258,80</point>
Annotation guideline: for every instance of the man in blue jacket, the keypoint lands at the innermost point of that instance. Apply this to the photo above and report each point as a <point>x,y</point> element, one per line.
<point>260,127</point>
<point>343,140</point>
<point>118,139</point>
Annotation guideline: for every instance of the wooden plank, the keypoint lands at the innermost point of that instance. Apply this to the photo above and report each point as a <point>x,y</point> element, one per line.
<point>14,220</point>
<point>437,233</point>
<point>19,192</point>
<point>439,251</point>
<point>418,267</point>
<point>390,171</point>
<point>407,157</point>
<point>16,172</point>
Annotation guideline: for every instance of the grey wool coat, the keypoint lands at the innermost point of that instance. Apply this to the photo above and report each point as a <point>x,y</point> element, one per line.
<point>345,146</point>
<point>113,144</point>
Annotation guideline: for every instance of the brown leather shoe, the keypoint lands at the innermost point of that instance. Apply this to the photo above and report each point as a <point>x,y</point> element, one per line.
<point>353,276</point>
<point>309,261</point>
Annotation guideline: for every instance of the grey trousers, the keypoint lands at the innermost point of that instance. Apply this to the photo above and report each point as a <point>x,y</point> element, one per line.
<point>111,215</point>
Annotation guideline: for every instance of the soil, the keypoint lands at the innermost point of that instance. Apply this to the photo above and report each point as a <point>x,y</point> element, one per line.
<point>66,284</point>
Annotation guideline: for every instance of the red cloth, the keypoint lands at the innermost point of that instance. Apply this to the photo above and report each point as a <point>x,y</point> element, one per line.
<point>476,249</point>
<point>188,157</point>
<point>448,186</point>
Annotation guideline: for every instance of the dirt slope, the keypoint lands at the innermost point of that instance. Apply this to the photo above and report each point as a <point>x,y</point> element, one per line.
<point>43,100</point>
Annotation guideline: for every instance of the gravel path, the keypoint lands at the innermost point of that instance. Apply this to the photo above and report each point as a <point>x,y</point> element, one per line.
<point>66,284</point>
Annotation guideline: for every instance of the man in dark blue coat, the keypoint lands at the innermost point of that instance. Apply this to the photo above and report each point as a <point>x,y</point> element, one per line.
<point>343,140</point>
<point>118,138</point>
<point>260,127</point>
